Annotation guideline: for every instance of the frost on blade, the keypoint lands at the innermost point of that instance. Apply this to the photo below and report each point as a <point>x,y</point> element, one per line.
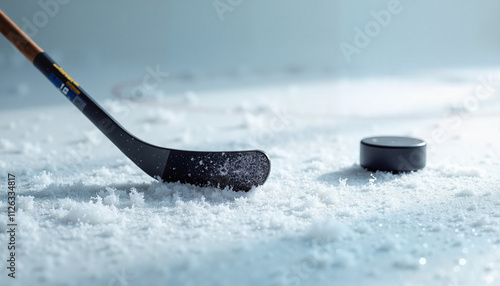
<point>245,169</point>
<point>236,170</point>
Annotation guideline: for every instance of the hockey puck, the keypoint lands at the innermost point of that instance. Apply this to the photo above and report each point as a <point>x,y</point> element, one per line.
<point>393,154</point>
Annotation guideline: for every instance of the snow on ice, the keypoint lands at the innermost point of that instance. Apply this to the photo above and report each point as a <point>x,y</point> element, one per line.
<point>88,216</point>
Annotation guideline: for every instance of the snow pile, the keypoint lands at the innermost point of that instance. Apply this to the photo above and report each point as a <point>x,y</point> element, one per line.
<point>25,203</point>
<point>43,179</point>
<point>465,193</point>
<point>136,198</point>
<point>93,212</point>
<point>111,197</point>
<point>327,231</point>
<point>458,171</point>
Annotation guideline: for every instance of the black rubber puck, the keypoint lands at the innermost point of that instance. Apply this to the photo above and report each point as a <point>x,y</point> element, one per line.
<point>393,154</point>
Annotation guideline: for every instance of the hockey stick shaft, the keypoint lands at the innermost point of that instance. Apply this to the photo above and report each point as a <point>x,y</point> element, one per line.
<point>18,37</point>
<point>89,107</point>
<point>240,170</point>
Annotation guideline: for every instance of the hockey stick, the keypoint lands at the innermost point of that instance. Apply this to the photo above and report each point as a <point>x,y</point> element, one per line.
<point>240,170</point>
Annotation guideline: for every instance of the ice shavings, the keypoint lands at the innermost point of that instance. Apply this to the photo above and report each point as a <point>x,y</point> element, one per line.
<point>101,217</point>
<point>327,231</point>
<point>92,212</point>
<point>481,221</point>
<point>388,243</point>
<point>111,197</point>
<point>343,258</point>
<point>42,180</point>
<point>25,203</point>
<point>407,262</point>
<point>343,182</point>
<point>462,171</point>
<point>31,223</point>
<point>465,193</point>
<point>136,198</point>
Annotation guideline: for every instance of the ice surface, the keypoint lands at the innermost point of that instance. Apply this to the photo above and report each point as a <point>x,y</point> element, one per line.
<point>89,216</point>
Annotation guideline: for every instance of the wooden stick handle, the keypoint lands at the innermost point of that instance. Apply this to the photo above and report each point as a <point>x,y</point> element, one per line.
<point>18,37</point>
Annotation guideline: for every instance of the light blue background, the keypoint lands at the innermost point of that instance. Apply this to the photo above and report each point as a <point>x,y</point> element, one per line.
<point>102,36</point>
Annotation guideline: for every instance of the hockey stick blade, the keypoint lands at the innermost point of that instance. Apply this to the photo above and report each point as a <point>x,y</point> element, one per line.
<point>239,170</point>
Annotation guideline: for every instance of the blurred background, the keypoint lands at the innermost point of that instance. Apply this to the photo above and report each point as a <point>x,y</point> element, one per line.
<point>250,42</point>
